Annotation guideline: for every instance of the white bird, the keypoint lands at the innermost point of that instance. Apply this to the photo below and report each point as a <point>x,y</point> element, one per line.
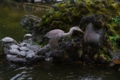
<point>56,34</point>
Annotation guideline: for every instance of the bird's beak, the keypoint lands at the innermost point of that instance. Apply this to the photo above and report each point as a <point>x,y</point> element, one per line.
<point>81,31</point>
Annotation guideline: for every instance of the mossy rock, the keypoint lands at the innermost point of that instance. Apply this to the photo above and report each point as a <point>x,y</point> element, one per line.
<point>104,15</point>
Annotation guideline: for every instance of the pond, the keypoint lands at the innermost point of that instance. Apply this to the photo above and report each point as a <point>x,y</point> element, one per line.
<point>46,71</point>
<point>9,24</point>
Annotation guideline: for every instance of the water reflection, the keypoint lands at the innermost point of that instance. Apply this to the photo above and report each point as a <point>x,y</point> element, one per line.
<point>56,72</point>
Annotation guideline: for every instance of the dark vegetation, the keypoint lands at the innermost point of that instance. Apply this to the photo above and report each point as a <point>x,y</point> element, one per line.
<point>102,14</point>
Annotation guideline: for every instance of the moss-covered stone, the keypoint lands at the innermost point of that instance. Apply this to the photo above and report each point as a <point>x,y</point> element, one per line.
<point>102,14</point>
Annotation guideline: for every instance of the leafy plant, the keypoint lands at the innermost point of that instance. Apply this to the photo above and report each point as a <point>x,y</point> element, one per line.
<point>113,39</point>
<point>116,19</point>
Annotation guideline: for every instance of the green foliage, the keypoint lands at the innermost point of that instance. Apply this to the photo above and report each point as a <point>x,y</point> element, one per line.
<point>64,15</point>
<point>113,40</point>
<point>70,13</point>
<point>116,20</point>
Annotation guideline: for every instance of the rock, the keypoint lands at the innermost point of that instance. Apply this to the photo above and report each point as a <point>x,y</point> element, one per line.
<point>93,38</point>
<point>14,51</point>
<point>35,48</point>
<point>11,57</point>
<point>115,58</point>
<point>24,49</point>
<point>28,39</point>
<point>93,35</point>
<point>44,50</point>
<point>7,42</point>
<point>22,54</point>
<point>30,54</point>
<point>116,55</point>
<point>48,59</point>
<point>15,59</point>
<point>22,44</point>
<point>7,39</point>
<point>29,22</point>
<point>59,56</point>
<point>14,46</point>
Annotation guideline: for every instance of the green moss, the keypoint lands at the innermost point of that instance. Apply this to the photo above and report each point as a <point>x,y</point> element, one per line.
<point>67,14</point>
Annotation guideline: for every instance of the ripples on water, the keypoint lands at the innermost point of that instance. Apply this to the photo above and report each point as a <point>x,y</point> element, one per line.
<point>46,71</point>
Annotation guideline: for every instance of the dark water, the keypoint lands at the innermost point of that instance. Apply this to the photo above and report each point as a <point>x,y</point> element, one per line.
<point>9,26</point>
<point>46,71</point>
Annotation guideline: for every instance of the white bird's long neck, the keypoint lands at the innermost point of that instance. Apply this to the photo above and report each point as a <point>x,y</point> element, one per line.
<point>68,34</point>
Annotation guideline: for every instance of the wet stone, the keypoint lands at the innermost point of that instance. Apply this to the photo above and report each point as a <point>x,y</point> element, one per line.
<point>93,35</point>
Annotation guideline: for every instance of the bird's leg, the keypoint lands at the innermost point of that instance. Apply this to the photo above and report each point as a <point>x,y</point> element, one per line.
<point>53,42</point>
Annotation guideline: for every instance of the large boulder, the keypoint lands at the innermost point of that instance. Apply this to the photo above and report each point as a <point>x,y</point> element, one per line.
<point>30,24</point>
<point>93,35</point>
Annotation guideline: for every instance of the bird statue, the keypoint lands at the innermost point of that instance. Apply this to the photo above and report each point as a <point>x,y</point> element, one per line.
<point>56,34</point>
<point>28,39</point>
